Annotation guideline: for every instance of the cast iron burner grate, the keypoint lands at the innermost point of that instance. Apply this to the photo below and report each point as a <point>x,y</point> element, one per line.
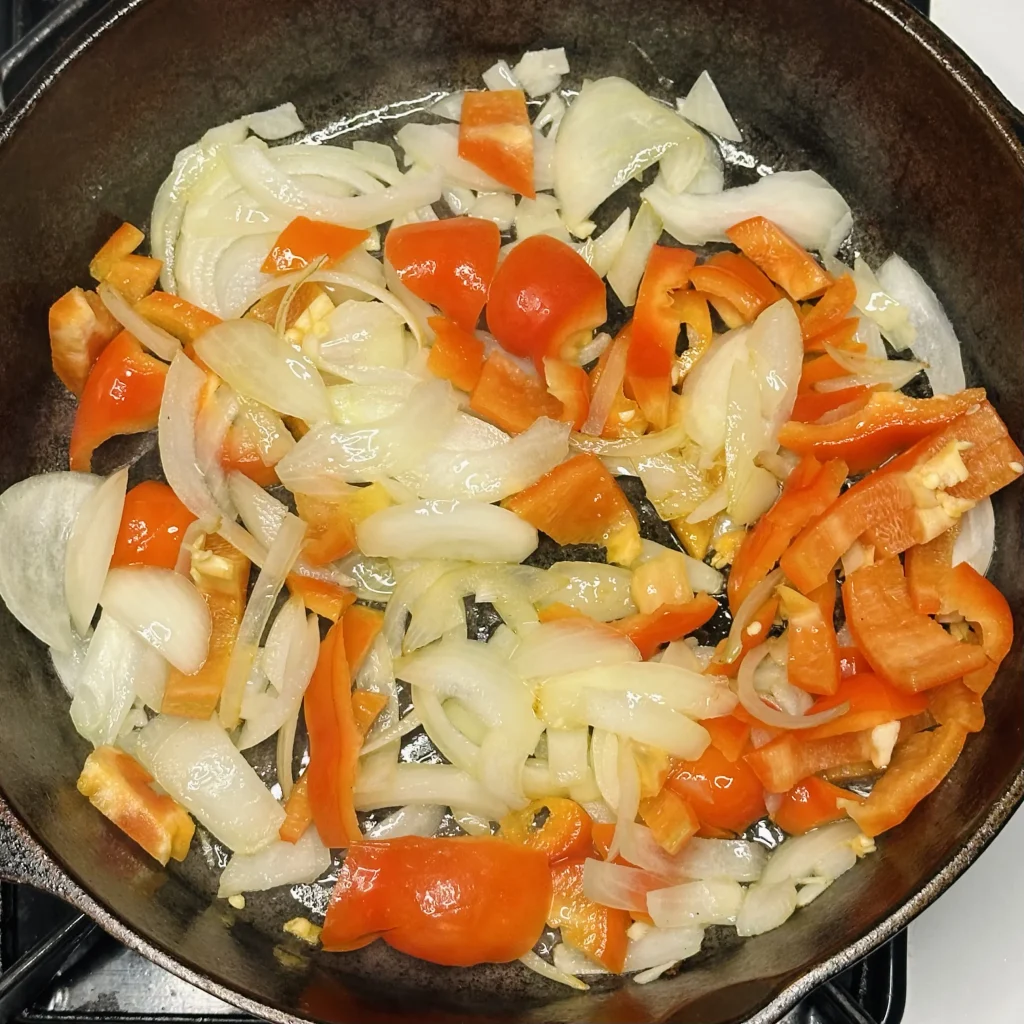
<point>55,966</point>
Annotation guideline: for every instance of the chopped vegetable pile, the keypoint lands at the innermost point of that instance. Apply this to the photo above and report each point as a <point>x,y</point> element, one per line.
<point>393,537</point>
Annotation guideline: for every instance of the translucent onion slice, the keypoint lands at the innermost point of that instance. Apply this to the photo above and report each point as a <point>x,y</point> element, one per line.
<point>745,613</point>
<point>602,592</point>
<point>568,750</point>
<point>279,863</point>
<point>540,71</point>
<point>267,432</point>
<point>361,334</point>
<point>864,369</point>
<point>37,517</point>
<point>751,699</point>
<point>68,664</point>
<point>650,444</point>
<point>706,902</point>
<point>281,556</point>
<point>738,859</point>
<point>766,907</point>
<point>645,721</point>
<point>976,541</point>
<point>447,529</point>
<point>91,546</point>
<point>199,766</point>
<point>411,820</point>
<point>617,886</point>
<point>408,590</point>
<point>165,609</point>
<point>436,146</point>
<point>661,946</point>
<point>607,388</point>
<point>156,339</point>
<point>534,963</point>
<point>570,645</point>
<point>628,265</point>
<point>277,123</point>
<point>802,856</point>
<point>629,804</point>
<point>442,784</point>
<point>705,108</point>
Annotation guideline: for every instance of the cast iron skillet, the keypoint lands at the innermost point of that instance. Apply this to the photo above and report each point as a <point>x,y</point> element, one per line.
<point>864,91</point>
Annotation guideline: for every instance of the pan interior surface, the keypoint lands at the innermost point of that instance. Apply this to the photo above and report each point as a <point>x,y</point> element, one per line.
<point>838,87</point>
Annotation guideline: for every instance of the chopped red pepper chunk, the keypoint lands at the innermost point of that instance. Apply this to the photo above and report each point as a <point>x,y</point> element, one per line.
<point>495,134</point>
<point>783,260</point>
<point>668,623</point>
<point>598,931</point>
<point>510,397</point>
<point>565,832</point>
<point>305,240</point>
<point>809,804</point>
<point>872,702</point>
<point>456,355</point>
<point>813,659</point>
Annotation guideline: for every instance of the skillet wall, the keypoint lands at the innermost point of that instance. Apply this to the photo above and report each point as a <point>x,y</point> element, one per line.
<point>838,86</point>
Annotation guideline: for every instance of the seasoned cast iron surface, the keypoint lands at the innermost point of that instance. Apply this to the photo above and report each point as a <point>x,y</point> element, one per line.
<point>834,86</point>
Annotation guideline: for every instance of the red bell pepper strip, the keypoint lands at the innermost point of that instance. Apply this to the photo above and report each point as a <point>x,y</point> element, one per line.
<point>907,649</point>
<point>692,309</point>
<point>809,491</point>
<point>738,282</point>
<point>785,761</point>
<point>359,628</point>
<point>753,635</point>
<point>843,337</point>
<point>495,134</point>
<point>304,240</point>
<point>668,623</point>
<point>240,454</point>
<point>783,260</point>
<point>334,743</point>
<point>153,524</point>
<point>456,355</point>
<point>124,241</point>
<point>176,316</point>
<point>134,277</point>
<point>728,734</point>
<point>852,662</point>
<point>671,819</point>
<point>813,659</point>
<point>448,263</point>
<point>958,704</point>
<point>545,300</point>
<point>366,707</point>
<point>655,331</point>
<point>566,831</point>
<point>570,384</point>
<point>321,596</point>
<point>598,931</point>
<point>872,702</point>
<point>511,398</point>
<point>298,812</point>
<point>580,502</point>
<point>926,566</point>
<point>121,396</point>
<point>811,406</point>
<point>810,804</point>
<point>454,901</point>
<point>832,308</point>
<point>625,418</point>
<point>724,794</point>
<point>889,423</point>
<point>917,767</point>
<point>80,329</point>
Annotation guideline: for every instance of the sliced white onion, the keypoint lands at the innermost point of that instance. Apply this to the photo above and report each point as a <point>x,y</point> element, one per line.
<point>656,946</point>
<point>436,146</point>
<point>751,700</point>
<point>411,820</point>
<point>156,339</point>
<point>813,853</point>
<point>493,473</point>
<point>935,341</point>
<point>532,961</point>
<point>261,512</point>
<point>602,592</point>
<point>570,645</point>
<point>276,123</point>
<point>863,369</point>
<point>766,907</point>
<point>573,961</point>
<point>68,664</point>
<point>751,490</point>
<point>607,389</point>
<point>568,751</point>
<point>372,577</point>
<point>165,609</point>
<point>802,203</point>
<point>215,418</point>
<point>976,541</point>
<point>286,754</point>
<point>611,133</point>
<point>878,306</point>
<point>627,267</point>
<point>540,71</point>
<point>605,247</point>
<point>330,455</point>
<point>447,529</point>
<point>442,784</point>
<point>361,334</point>
<point>199,766</point>
<point>737,859</point>
<point>499,207</point>
<point>279,863</point>
<point>645,721</point>
<point>759,593</point>
<point>705,108</point>
<point>408,590</point>
<point>594,349</point>
<point>377,675</point>
<point>281,556</point>
<point>633,447</point>
<point>710,901</point>
<point>107,684</point>
<point>628,806</point>
<point>617,886</point>
<point>37,518</point>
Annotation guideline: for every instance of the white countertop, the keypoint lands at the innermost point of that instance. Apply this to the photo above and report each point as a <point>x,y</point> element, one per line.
<point>965,950</point>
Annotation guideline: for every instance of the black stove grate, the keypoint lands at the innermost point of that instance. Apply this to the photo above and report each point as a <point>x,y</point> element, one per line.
<point>69,972</point>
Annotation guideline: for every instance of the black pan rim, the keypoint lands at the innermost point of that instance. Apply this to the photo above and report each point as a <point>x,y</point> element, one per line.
<point>62,879</point>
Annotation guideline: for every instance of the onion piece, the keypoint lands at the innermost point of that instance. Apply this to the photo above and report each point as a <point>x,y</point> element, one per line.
<point>540,71</point>
<point>91,546</point>
<point>281,556</point>
<point>260,365</point>
<point>277,123</point>
<point>199,766</point>
<point>411,820</point>
<point>156,339</point>
<point>605,248</point>
<point>976,541</point>
<point>532,961</point>
<point>607,388</point>
<point>37,517</point>
<point>279,863</point>
<point>498,207</point>
<point>802,203</point>
<point>165,609</point>
<point>657,946</point>
<point>107,683</point>
<point>571,961</point>
<point>813,853</point>
<point>644,721</point>
<point>935,341</point>
<point>267,432</point>
<point>442,784</point>
<point>447,529</point>
<point>617,886</point>
<point>650,444</point>
<point>751,700</point>
<point>286,754</point>
<point>629,804</point>
<point>738,859</point>
<point>863,369</point>
<point>68,664</point>
<point>570,645</point>
<point>601,591</point>
<point>766,907</point>
<point>568,750</point>
<point>706,902</point>
<point>759,593</point>
<point>361,333</point>
<point>878,306</point>
<point>407,590</point>
<point>611,133</point>
<point>436,146</point>
<point>627,268</point>
<point>705,108</point>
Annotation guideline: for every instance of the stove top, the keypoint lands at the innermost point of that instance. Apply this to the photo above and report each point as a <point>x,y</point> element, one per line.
<point>57,966</point>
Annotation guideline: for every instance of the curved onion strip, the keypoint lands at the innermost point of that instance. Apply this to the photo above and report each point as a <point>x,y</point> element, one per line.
<point>801,856</point>
<point>277,864</point>
<point>534,963</point>
<point>751,700</point>
<point>607,388</point>
<point>196,529</point>
<point>704,107</point>
<point>266,430</point>
<point>617,886</point>
<point>286,754</point>
<point>405,726</point>
<point>595,348</point>
<point>711,901</point>
<point>650,444</point>
<point>279,561</point>
<point>750,604</point>
<point>895,372</point>
<point>212,426</point>
<point>976,540</point>
<point>377,675</point>
<point>658,949</point>
<point>157,340</point>
<point>443,784</point>
<point>90,548</point>
<point>629,799</point>
<point>410,820</point>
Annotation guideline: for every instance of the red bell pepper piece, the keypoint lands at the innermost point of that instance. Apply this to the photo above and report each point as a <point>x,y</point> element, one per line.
<point>812,803</point>
<point>669,622</point>
<point>448,263</point>
<point>832,308</point>
<point>926,566</point>
<point>366,707</point>
<point>889,423</point>
<point>735,279</point>
<point>566,831</point>
<point>917,767</point>
<point>811,406</point>
<point>239,454</point>
<point>783,260</point>
<point>134,277</point>
<point>321,596</point>
<point>728,734</point>
<point>724,794</point>
<point>872,702</point>
<point>511,398</point>
<point>305,240</point>
<point>359,629</point>
<point>121,396</point>
<point>495,134</point>
<point>298,812</point>
<point>656,322</point>
<point>785,761</point>
<point>454,901</point>
<point>907,649</point>
<point>671,819</point>
<point>570,384</point>
<point>598,931</point>
<point>852,662</point>
<point>813,659</point>
<point>124,241</point>
<point>580,502</point>
<point>809,491</point>
<point>456,355</point>
<point>625,418</point>
<point>80,329</point>
<point>843,336</point>
<point>753,635</point>
<point>955,703</point>
<point>545,300</point>
<point>817,369</point>
<point>153,524</point>
<point>334,743</point>
<point>176,316</point>
<point>692,309</point>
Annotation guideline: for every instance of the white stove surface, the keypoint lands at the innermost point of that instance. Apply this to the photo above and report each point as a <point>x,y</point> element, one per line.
<point>965,949</point>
